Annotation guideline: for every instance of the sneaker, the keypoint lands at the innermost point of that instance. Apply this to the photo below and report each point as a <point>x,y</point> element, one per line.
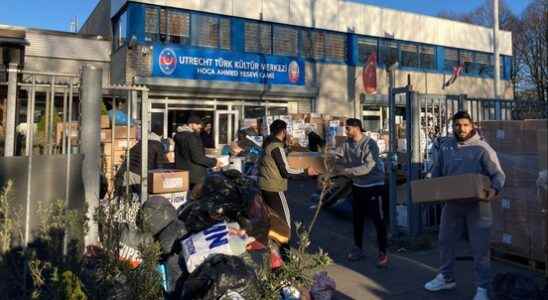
<point>481,294</point>
<point>439,283</point>
<point>356,254</point>
<point>382,261</point>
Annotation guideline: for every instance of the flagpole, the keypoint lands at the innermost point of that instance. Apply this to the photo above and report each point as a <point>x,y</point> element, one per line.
<point>496,47</point>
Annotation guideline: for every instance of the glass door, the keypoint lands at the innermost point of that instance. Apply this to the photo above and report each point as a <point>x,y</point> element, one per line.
<point>226,125</point>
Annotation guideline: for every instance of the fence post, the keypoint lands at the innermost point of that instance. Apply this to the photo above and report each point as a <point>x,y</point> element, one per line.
<point>414,159</point>
<point>11,103</point>
<point>392,156</point>
<point>90,96</point>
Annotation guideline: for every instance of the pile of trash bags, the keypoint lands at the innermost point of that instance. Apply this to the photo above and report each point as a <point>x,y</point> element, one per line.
<point>212,246</point>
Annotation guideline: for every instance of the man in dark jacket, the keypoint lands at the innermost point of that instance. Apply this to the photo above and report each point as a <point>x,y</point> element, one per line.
<point>190,152</point>
<point>156,157</point>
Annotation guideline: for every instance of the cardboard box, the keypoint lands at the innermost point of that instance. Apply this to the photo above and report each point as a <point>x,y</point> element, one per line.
<point>514,238</point>
<point>542,148</point>
<point>167,181</point>
<point>467,187</point>
<point>106,135</point>
<point>105,122</point>
<point>305,160</point>
<point>212,151</point>
<point>119,145</point>
<point>537,229</point>
<point>121,132</point>
<point>73,132</point>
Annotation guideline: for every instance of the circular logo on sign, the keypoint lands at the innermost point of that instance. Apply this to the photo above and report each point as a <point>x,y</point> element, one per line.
<point>294,71</point>
<point>167,61</point>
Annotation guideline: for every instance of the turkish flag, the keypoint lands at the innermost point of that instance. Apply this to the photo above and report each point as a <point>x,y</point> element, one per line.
<point>369,75</point>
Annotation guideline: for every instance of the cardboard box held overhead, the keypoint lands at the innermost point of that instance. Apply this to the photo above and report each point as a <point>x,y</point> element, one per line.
<point>167,181</point>
<point>472,187</point>
<point>305,160</point>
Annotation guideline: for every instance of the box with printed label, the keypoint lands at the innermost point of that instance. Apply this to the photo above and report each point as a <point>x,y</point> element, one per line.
<point>73,132</point>
<point>167,181</point>
<point>176,199</point>
<point>467,187</point>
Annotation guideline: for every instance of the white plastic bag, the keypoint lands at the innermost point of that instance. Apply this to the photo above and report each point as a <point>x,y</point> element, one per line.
<point>222,238</point>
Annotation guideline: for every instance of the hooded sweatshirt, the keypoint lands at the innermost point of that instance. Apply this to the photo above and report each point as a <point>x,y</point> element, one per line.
<point>453,157</point>
<point>362,162</point>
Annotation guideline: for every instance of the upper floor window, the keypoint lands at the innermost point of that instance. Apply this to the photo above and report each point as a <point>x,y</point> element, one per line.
<point>258,38</point>
<point>409,55</point>
<point>427,56</point>
<point>210,31</point>
<point>388,52</point>
<point>313,44</point>
<point>366,47</point>
<point>467,60</point>
<point>285,41</point>
<point>151,24</point>
<point>451,59</point>
<point>335,46</point>
<point>484,64</point>
<point>120,31</point>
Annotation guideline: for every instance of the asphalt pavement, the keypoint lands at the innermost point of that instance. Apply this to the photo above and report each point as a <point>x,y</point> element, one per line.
<point>407,272</point>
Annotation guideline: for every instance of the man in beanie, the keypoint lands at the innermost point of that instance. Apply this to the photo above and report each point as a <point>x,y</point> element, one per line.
<point>463,153</point>
<point>359,160</point>
<point>274,171</point>
<point>190,152</point>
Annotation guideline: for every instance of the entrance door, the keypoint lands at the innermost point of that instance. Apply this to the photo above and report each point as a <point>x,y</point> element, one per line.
<point>226,127</point>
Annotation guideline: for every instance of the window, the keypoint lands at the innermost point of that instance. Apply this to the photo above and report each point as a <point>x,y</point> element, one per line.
<point>258,38</point>
<point>151,24</point>
<point>178,27</point>
<point>163,25</point>
<point>467,60</point>
<point>366,46</point>
<point>313,44</point>
<point>409,55</point>
<point>210,32</point>
<point>451,59</point>
<point>388,53</point>
<point>427,57</point>
<point>120,31</point>
<point>335,46</point>
<point>285,41</point>
<point>484,64</point>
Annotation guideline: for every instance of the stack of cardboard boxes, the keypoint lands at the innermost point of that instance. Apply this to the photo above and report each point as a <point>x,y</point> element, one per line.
<point>114,149</point>
<point>170,184</point>
<point>519,218</point>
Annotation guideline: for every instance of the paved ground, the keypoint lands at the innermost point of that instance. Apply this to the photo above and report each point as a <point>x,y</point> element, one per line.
<point>407,273</point>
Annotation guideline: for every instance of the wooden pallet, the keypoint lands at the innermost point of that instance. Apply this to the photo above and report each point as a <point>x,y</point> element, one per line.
<point>516,259</point>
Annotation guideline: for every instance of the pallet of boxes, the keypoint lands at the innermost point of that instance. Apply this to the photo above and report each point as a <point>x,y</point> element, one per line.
<point>116,141</point>
<point>519,216</point>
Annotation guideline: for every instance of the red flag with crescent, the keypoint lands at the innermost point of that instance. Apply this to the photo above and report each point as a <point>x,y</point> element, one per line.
<point>369,74</point>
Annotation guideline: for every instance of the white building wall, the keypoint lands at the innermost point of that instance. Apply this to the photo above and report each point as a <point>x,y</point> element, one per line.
<point>341,15</point>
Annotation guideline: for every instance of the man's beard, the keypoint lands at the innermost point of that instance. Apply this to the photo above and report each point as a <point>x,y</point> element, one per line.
<point>467,137</point>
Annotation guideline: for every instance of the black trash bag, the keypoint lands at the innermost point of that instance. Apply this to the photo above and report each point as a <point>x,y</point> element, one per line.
<point>513,286</point>
<point>218,276</point>
<point>168,237</point>
<point>133,237</point>
<point>155,214</point>
<point>225,196</point>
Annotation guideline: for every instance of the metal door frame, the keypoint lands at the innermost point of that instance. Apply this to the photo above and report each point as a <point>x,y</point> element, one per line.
<point>231,126</point>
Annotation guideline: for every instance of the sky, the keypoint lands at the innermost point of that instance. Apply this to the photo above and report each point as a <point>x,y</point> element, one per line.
<point>58,14</point>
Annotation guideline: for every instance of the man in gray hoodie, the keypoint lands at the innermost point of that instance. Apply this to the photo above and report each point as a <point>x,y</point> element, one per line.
<point>465,153</point>
<point>359,160</point>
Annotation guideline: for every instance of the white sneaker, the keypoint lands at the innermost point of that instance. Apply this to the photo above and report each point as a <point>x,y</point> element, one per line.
<point>481,294</point>
<point>439,283</point>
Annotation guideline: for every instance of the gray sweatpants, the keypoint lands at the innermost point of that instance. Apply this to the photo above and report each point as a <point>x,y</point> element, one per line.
<point>477,219</point>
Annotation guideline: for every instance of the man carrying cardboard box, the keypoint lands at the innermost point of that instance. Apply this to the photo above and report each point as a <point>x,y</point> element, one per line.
<point>274,172</point>
<point>465,153</point>
<point>359,159</point>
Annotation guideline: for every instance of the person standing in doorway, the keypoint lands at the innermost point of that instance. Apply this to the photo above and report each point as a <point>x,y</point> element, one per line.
<point>190,152</point>
<point>359,159</point>
<point>207,136</point>
<point>463,153</point>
